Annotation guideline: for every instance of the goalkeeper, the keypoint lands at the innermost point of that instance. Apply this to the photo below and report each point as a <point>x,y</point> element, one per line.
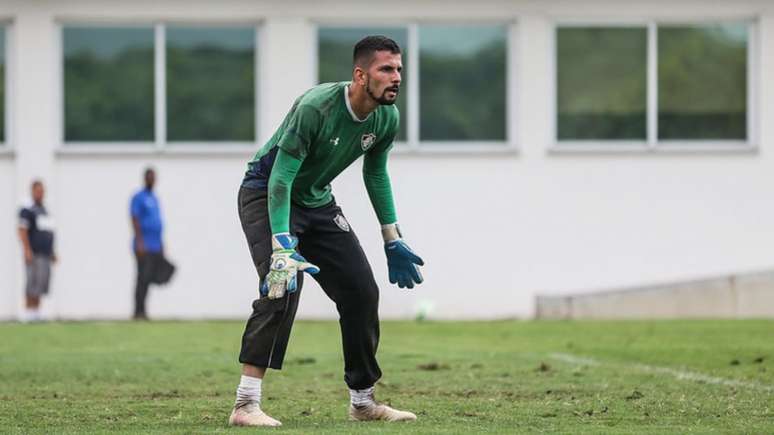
<point>293,225</point>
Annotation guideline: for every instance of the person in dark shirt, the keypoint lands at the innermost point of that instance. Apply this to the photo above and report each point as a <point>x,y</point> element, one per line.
<point>36,232</point>
<point>147,243</point>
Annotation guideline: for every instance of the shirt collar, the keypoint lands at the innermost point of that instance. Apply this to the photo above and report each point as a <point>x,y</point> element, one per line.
<point>349,107</point>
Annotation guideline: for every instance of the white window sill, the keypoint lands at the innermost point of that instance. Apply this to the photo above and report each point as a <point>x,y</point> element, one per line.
<point>665,147</point>
<point>149,149</point>
<point>6,152</point>
<point>453,148</point>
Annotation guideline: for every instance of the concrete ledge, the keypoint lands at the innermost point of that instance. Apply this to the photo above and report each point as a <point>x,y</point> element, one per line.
<point>748,295</point>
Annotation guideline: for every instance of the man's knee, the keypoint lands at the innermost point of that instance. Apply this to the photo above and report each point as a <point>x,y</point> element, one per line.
<point>361,294</point>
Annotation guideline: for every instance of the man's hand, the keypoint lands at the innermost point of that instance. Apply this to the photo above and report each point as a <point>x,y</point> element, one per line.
<point>402,262</point>
<point>28,256</point>
<point>285,264</point>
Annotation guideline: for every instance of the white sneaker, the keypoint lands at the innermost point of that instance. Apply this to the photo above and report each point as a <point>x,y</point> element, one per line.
<point>251,415</point>
<point>379,411</point>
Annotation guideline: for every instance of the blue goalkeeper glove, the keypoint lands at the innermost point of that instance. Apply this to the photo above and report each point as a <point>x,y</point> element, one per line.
<point>285,264</point>
<point>402,262</point>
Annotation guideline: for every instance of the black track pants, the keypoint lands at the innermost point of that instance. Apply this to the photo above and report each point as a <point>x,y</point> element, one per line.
<point>326,240</point>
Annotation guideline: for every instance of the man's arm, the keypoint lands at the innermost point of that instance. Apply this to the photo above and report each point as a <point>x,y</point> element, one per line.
<point>139,244</point>
<point>402,262</point>
<point>377,183</point>
<point>25,221</point>
<point>25,240</point>
<point>283,173</point>
<point>293,148</point>
<point>135,209</point>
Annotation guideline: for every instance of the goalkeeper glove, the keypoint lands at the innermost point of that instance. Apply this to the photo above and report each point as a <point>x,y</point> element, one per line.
<point>285,264</point>
<point>402,262</point>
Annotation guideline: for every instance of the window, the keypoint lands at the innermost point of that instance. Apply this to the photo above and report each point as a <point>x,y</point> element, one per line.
<point>2,86</point>
<point>210,84</point>
<point>654,84</point>
<point>454,89</point>
<point>197,81</point>
<point>462,83</point>
<point>602,83</point>
<point>108,84</point>
<point>702,75</point>
<point>335,49</point>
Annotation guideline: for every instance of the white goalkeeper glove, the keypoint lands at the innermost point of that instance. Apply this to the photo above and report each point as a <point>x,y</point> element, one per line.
<point>285,264</point>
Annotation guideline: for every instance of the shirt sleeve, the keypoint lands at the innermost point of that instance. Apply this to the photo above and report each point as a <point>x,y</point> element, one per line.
<point>284,171</point>
<point>301,131</point>
<point>377,180</point>
<point>135,207</point>
<point>25,219</point>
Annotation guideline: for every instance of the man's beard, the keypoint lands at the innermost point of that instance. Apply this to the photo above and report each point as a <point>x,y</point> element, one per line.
<point>382,99</point>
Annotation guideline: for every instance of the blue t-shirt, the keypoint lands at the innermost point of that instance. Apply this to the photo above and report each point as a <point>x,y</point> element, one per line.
<point>145,208</point>
<point>40,229</point>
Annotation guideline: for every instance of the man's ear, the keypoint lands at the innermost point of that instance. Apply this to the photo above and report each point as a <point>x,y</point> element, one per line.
<point>359,76</point>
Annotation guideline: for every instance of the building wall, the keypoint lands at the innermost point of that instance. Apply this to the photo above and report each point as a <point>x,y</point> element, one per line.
<point>8,249</point>
<point>495,228</point>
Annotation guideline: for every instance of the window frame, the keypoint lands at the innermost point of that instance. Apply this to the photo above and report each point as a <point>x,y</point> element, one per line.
<point>652,144</point>
<point>160,143</point>
<point>413,144</point>
<point>7,142</point>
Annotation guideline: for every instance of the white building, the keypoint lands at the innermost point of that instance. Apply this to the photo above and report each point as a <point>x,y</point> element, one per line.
<point>550,146</point>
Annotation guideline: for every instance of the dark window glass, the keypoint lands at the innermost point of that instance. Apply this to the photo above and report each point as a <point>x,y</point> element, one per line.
<point>108,84</point>
<point>210,75</point>
<point>601,83</point>
<point>462,88</point>
<point>702,82</point>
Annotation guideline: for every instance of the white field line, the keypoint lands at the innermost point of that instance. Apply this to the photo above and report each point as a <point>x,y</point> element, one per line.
<point>682,375</point>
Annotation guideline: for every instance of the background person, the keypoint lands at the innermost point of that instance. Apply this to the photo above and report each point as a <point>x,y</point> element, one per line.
<point>36,232</point>
<point>147,243</point>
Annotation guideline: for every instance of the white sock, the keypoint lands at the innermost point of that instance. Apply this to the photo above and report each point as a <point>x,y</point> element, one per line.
<point>248,391</point>
<point>30,315</point>
<point>362,397</point>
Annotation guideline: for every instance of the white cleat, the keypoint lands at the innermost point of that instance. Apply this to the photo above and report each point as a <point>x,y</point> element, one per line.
<point>251,415</point>
<point>379,411</point>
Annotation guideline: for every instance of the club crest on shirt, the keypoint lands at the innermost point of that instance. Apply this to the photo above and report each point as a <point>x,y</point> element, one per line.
<point>341,222</point>
<point>367,140</point>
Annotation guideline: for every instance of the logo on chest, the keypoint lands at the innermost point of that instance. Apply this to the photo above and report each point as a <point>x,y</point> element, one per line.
<point>367,141</point>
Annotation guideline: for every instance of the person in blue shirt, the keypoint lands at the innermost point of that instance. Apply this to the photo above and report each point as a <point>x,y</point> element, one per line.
<point>147,243</point>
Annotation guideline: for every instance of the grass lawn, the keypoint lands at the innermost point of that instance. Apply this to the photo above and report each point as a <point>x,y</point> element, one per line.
<point>458,377</point>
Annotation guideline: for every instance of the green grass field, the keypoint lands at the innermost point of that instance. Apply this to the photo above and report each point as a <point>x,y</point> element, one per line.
<point>494,377</point>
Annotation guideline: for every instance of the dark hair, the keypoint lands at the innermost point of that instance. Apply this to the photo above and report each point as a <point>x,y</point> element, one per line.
<point>36,182</point>
<point>148,170</point>
<point>366,47</point>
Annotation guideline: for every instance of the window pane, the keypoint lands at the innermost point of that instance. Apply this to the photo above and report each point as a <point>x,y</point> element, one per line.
<point>210,84</point>
<point>601,83</point>
<point>462,82</point>
<point>2,85</point>
<point>108,74</point>
<point>702,82</point>
<point>335,58</point>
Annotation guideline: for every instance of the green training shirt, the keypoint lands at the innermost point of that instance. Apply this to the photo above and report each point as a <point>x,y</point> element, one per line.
<point>318,139</point>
